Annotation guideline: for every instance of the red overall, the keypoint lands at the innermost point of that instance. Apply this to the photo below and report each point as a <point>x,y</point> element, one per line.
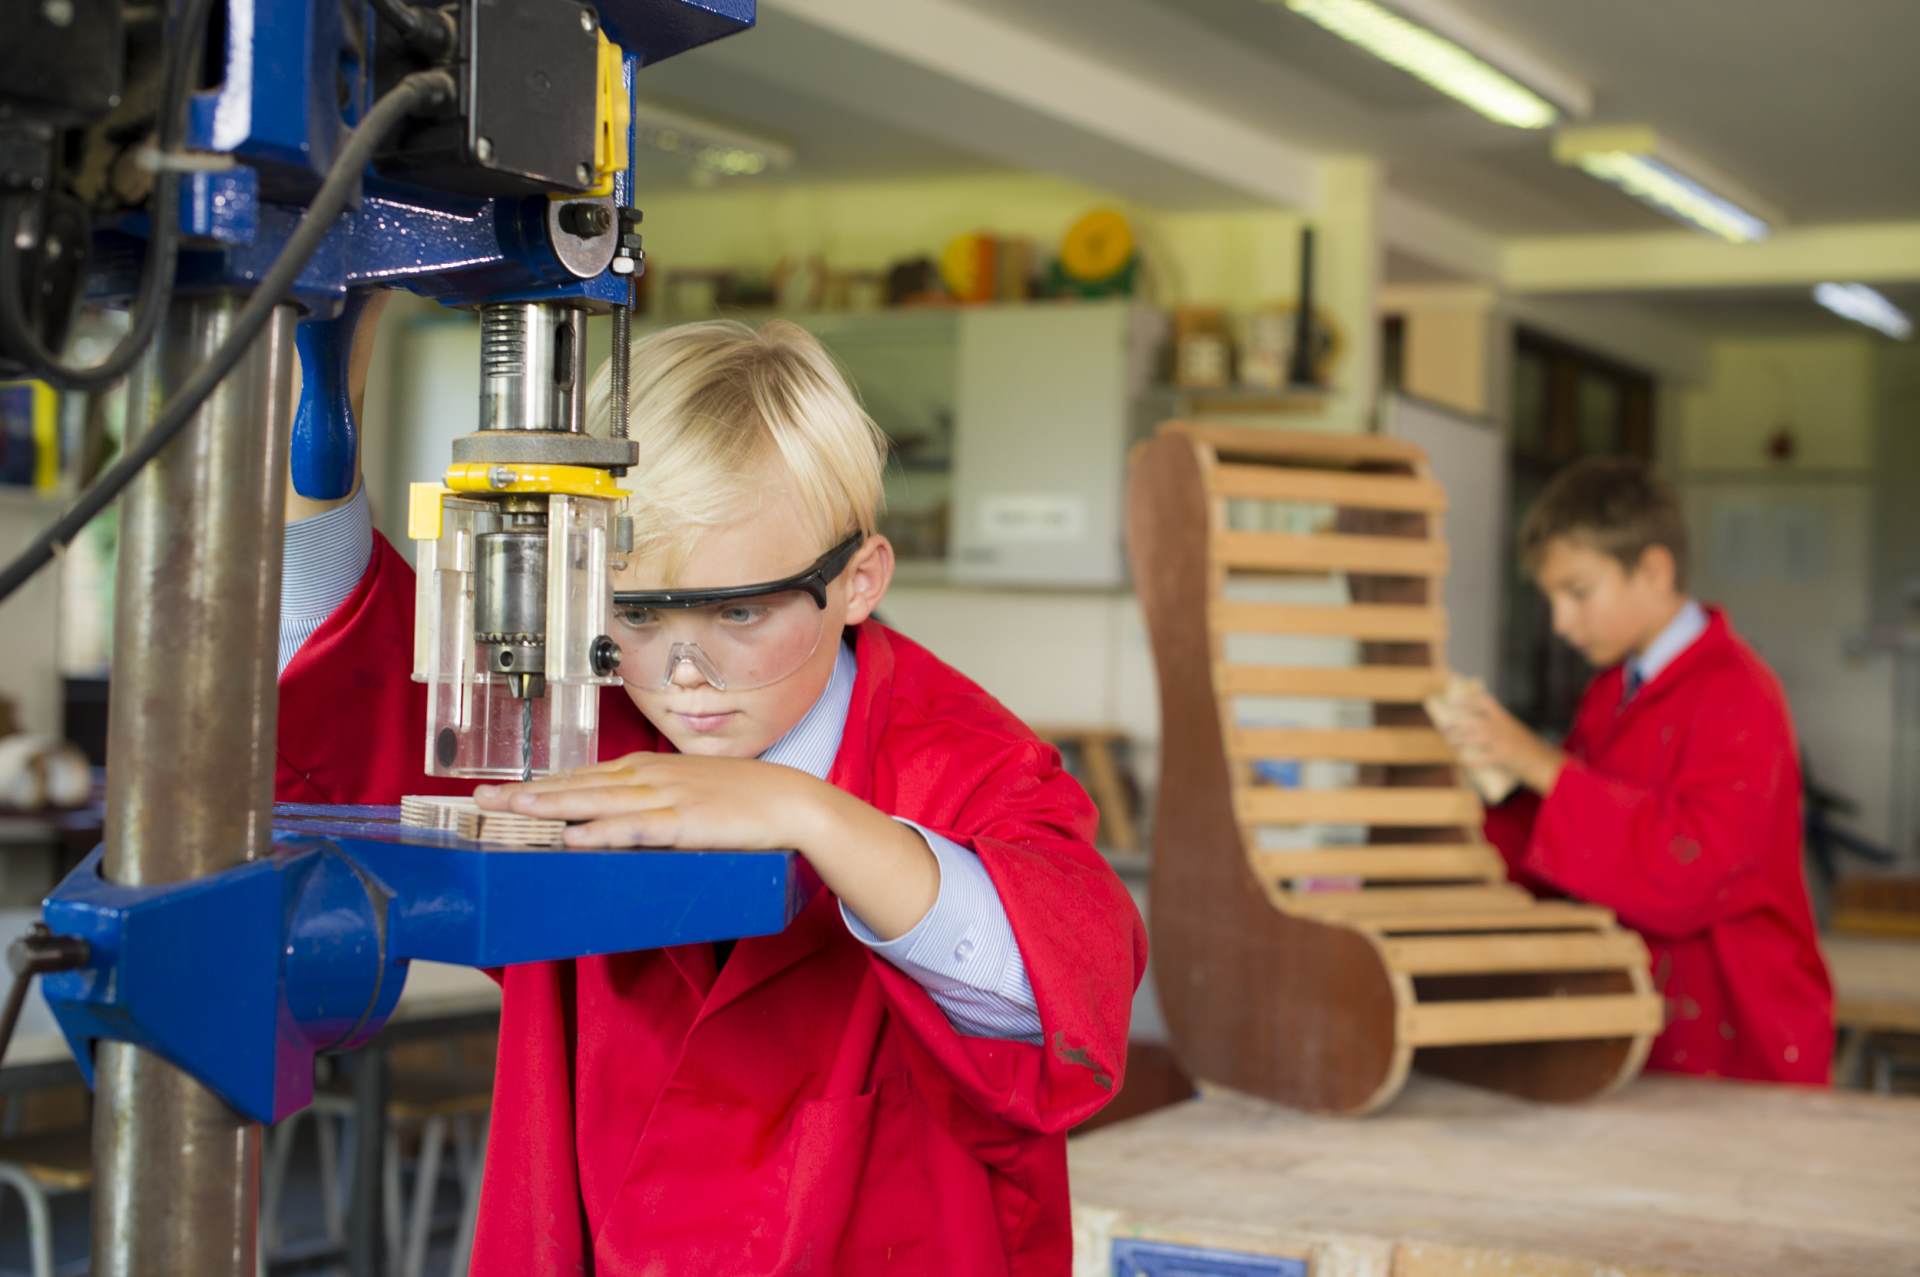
<point>1681,812</point>
<point>811,1110</point>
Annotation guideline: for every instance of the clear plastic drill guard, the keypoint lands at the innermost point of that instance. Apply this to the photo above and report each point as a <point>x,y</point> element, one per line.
<point>474,722</point>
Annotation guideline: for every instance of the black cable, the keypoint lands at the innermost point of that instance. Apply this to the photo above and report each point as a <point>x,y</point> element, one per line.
<point>426,31</point>
<point>421,89</point>
<point>163,249</point>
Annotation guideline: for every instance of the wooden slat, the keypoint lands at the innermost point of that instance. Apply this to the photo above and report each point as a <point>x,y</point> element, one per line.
<point>1387,684</point>
<point>1382,621</point>
<point>1412,861</point>
<point>1330,552</point>
<point>1256,441</point>
<point>1327,487</point>
<point>1869,922</point>
<point>1395,745</point>
<point>1397,901</point>
<point>59,1160</point>
<point>1550,916</point>
<point>1477,955</point>
<point>1382,806</point>
<point>1532,1019</point>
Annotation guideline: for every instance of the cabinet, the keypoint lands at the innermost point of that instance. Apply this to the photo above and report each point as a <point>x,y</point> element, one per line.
<point>1010,428</point>
<point>1046,405</point>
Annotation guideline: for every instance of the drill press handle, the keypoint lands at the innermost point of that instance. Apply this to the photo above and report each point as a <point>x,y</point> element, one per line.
<point>325,429</point>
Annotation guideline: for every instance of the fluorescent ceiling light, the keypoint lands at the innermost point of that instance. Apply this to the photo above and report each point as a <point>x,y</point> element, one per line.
<point>1463,59</point>
<point>1864,306</point>
<point>1639,163</point>
<point>715,150</point>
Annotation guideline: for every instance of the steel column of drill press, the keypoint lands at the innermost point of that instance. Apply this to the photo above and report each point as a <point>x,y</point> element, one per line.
<point>192,725</point>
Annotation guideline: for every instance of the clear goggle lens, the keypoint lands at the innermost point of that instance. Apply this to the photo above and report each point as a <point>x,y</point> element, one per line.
<point>735,645</point>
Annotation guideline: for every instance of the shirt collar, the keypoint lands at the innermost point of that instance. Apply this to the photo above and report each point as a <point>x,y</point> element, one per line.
<point>1688,624</point>
<point>814,742</point>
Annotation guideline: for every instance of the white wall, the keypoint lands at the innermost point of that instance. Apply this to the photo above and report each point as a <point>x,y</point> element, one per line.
<point>29,630</point>
<point>1055,658</point>
<point>1787,547</point>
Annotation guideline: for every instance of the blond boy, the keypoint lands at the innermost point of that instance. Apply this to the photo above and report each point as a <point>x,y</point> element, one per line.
<point>885,1085</point>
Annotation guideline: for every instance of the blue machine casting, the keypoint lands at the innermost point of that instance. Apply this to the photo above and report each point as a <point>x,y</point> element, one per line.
<point>242,977</point>
<point>277,113</point>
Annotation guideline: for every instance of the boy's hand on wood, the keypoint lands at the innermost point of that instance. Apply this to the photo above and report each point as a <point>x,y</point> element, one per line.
<point>672,800</point>
<point>881,869</point>
<point>1486,735</point>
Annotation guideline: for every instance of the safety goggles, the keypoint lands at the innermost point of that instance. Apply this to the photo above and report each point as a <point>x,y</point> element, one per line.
<point>738,637</point>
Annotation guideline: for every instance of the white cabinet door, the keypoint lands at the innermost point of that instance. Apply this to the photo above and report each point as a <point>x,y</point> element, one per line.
<point>1043,407</point>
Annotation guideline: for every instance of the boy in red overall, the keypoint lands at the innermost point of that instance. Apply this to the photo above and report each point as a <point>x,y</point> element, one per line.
<point>1676,801</point>
<point>885,1086</point>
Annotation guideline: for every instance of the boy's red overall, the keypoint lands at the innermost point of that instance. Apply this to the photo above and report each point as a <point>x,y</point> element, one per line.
<point>1681,812</point>
<point>810,1110</point>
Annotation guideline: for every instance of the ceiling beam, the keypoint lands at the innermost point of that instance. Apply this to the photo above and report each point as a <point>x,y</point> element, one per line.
<point>1628,331</point>
<point>1874,252</point>
<point>952,42</point>
<point>1438,239</point>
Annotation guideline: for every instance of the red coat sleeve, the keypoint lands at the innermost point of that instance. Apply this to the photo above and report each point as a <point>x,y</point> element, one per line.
<point>352,722</point>
<point>1081,938</point>
<point>1676,858</point>
<point>1509,827</point>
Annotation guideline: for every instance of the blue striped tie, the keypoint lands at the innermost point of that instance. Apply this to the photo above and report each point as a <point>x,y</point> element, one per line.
<point>1634,682</point>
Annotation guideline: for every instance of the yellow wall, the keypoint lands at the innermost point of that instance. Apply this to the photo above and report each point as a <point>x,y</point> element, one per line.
<point>1232,258</point>
<point>1821,388</point>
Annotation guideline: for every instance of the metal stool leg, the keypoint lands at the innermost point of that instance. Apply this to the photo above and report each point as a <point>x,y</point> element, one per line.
<point>433,1142</point>
<point>39,1219</point>
<point>273,1182</point>
<point>390,1191</point>
<point>333,1207</point>
<point>470,1205</point>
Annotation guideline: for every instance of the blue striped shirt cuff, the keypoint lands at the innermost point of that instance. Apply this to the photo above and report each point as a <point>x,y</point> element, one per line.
<point>963,953</point>
<point>320,567</point>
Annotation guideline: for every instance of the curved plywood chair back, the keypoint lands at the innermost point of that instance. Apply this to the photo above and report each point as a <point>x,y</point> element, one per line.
<point>1325,914</point>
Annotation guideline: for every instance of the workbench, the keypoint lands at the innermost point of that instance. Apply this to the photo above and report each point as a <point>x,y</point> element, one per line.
<point>1670,1176</point>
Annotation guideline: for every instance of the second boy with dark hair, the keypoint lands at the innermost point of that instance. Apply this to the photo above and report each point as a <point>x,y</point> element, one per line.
<point>1676,800</point>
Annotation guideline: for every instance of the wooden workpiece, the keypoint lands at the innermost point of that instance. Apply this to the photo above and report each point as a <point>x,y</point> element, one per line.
<point>1669,1176</point>
<point>1314,942</point>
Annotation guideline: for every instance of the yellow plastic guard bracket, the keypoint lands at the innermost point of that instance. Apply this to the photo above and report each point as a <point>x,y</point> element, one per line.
<point>423,510</point>
<point>613,115</point>
<point>572,481</point>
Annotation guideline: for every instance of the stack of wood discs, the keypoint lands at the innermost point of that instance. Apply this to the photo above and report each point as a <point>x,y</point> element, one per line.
<point>462,816</point>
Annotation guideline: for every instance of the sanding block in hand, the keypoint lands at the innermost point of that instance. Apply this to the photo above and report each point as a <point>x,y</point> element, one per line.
<point>1494,784</point>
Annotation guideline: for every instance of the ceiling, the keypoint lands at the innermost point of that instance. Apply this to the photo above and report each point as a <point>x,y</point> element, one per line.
<point>1755,312</point>
<point>1807,105</point>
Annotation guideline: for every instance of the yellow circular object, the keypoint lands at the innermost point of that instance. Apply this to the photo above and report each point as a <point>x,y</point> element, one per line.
<point>1097,246</point>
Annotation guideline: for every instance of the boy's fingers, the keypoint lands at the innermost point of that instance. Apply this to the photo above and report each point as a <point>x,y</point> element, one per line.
<point>588,802</point>
<point>659,827</point>
<point>593,777</point>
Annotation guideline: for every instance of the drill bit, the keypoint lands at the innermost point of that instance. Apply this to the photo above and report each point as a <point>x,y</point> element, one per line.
<point>526,739</point>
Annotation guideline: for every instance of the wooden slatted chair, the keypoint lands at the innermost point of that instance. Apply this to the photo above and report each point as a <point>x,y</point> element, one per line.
<point>1325,912</point>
